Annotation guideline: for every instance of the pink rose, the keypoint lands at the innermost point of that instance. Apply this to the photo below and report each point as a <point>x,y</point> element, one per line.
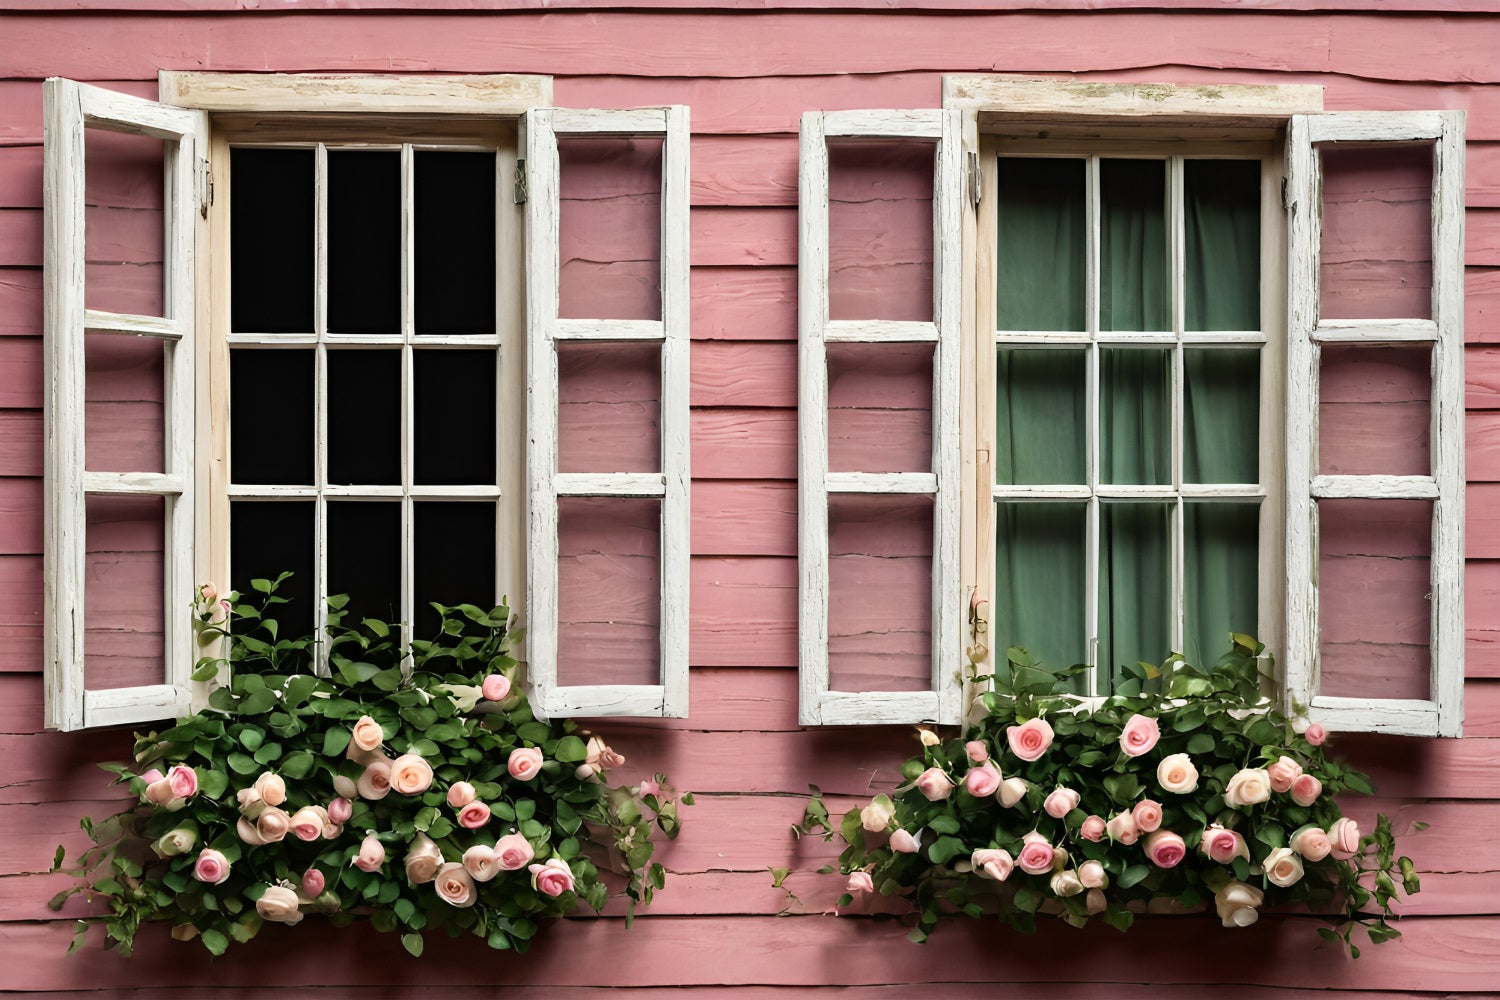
<point>423,859</point>
<point>600,756</point>
<point>278,904</point>
<point>1122,828</point>
<point>273,825</point>
<point>649,786</point>
<point>340,810</point>
<point>1306,789</point>
<point>248,832</point>
<point>1312,843</point>
<point>308,822</point>
<point>152,776</point>
<point>313,883</point>
<point>367,735</point>
<point>859,882</point>
<point>1177,774</point>
<point>460,794</point>
<point>1036,857</point>
<point>211,867</point>
<point>271,789</point>
<point>371,854</point>
<point>474,815</point>
<point>553,878</point>
<point>1282,773</point>
<point>1344,837</point>
<point>480,862</point>
<point>1061,802</point>
<point>495,687</point>
<point>375,783</point>
<point>1315,735</point>
<point>1029,740</point>
<point>1223,845</point>
<point>1093,875</point>
<point>1095,902</point>
<point>977,751</point>
<point>993,862</point>
<point>410,774</point>
<point>514,852</point>
<point>903,842</point>
<point>1165,849</point>
<point>982,781</point>
<point>454,886</point>
<point>1147,815</point>
<point>183,781</point>
<point>525,763</point>
<point>159,792</point>
<point>934,784</point>
<point>1092,829</point>
<point>1012,790</point>
<point>1283,867</point>
<point>1139,735</point>
<point>208,593</point>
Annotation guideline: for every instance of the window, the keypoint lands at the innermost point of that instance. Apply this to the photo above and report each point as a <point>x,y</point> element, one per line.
<point>376,269</point>
<point>1144,344</point>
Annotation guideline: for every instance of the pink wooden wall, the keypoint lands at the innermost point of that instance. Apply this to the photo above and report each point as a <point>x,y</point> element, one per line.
<point>748,76</point>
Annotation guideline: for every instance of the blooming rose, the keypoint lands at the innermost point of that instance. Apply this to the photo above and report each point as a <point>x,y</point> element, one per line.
<point>525,763</point>
<point>514,852</point>
<point>371,854</point>
<point>1282,773</point>
<point>1311,842</point>
<point>1306,789</point>
<point>159,792</point>
<point>474,815</point>
<point>600,757</point>
<point>1036,856</point>
<point>308,822</point>
<point>1283,867</point>
<point>1165,849</point>
<point>1029,740</point>
<point>339,810</point>
<point>876,816</point>
<point>271,789</point>
<point>175,842</point>
<point>279,905</point>
<point>1122,828</point>
<point>553,878</point>
<point>211,867</point>
<point>313,883</point>
<point>272,824</point>
<point>1066,883</point>
<point>1093,875</point>
<point>480,862</point>
<point>460,794</point>
<point>1092,829</point>
<point>935,784</point>
<point>993,862</point>
<point>928,737</point>
<point>248,833</point>
<point>1237,904</point>
<point>208,592</point>
<point>495,687</point>
<point>903,842</point>
<point>1315,735</point>
<point>1223,845</point>
<point>1344,836</point>
<point>1095,902</point>
<point>1139,735</point>
<point>1012,790</point>
<point>183,782</point>
<point>859,882</point>
<point>1248,787</point>
<point>345,786</point>
<point>423,858</point>
<point>367,735</point>
<point>1177,774</point>
<point>1061,802</point>
<point>454,886</point>
<point>375,783</point>
<point>410,774</point>
<point>1147,815</point>
<point>977,751</point>
<point>982,781</point>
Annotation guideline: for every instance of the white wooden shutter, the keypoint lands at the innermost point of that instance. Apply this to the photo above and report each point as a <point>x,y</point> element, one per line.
<point>1441,714</point>
<point>70,108</point>
<point>819,705</point>
<point>545,331</point>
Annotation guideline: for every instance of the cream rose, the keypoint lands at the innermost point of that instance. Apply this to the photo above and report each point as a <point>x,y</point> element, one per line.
<point>1311,842</point>
<point>1095,902</point>
<point>1283,867</point>
<point>460,794</point>
<point>1344,836</point>
<point>371,854</point>
<point>877,816</point>
<point>175,842</point>
<point>278,904</point>
<point>272,824</point>
<point>1238,904</point>
<point>410,774</point>
<point>1177,774</point>
<point>423,859</point>
<point>1060,802</point>
<point>367,735</point>
<point>927,737</point>
<point>1248,787</point>
<point>345,786</point>
<point>514,852</point>
<point>454,886</point>
<point>934,784</point>
<point>271,789</point>
<point>248,833</point>
<point>902,842</point>
<point>1012,790</point>
<point>1066,883</point>
<point>1029,740</point>
<point>993,862</point>
<point>250,802</point>
<point>1139,735</point>
<point>1093,875</point>
<point>480,862</point>
<point>375,783</point>
<point>1122,828</point>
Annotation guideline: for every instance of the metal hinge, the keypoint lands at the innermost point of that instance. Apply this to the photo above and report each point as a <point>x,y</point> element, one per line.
<point>205,188</point>
<point>971,162</point>
<point>520,183</point>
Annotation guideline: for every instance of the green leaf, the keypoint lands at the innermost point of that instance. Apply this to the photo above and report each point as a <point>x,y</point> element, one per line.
<point>257,702</point>
<point>241,763</point>
<point>264,586</point>
<point>413,944</point>
<point>570,750</point>
<point>335,741</point>
<point>211,784</point>
<point>297,765</point>
<point>944,824</point>
<point>268,753</point>
<point>1132,875</point>
<point>1200,743</point>
<point>215,941</point>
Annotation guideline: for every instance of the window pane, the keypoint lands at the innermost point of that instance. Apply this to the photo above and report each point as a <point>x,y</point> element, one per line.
<point>1041,413</point>
<point>1374,410</point>
<point>880,230</point>
<point>1221,555</point>
<point>364,417</point>
<point>364,241</point>
<point>1221,415</point>
<point>879,593</point>
<point>1135,387</point>
<point>454,438</point>
<point>609,407</point>
<point>1376,260</point>
<point>1221,219</point>
<point>1134,280</point>
<point>1040,574</point>
<point>455,242</point>
<point>272,222</point>
<point>610,227</point>
<point>609,590</point>
<point>1135,587</point>
<point>880,407</point>
<point>1042,244</point>
<point>454,559</point>
<point>267,539</point>
<point>124,591</point>
<point>271,417</point>
<point>364,558</point>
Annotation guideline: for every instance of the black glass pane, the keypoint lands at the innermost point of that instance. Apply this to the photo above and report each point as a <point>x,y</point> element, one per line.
<point>267,539</point>
<point>272,218</point>
<point>364,558</point>
<point>455,242</point>
<point>454,440</point>
<point>364,417</point>
<point>271,417</point>
<point>364,242</point>
<point>455,559</point>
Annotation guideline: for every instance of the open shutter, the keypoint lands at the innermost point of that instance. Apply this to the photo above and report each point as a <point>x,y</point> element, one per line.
<point>817,484</point>
<point>547,333</point>
<point>1313,491</point>
<point>70,108</point>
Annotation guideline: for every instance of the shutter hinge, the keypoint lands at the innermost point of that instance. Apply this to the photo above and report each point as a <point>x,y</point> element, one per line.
<point>971,162</point>
<point>1286,199</point>
<point>520,183</point>
<point>205,188</point>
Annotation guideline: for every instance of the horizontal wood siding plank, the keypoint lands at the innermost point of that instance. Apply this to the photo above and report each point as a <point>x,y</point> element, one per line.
<point>742,303</point>
<point>724,237</point>
<point>742,170</point>
<point>729,374</point>
<point>744,612</point>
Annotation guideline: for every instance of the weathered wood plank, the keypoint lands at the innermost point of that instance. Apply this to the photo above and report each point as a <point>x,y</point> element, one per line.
<point>744,612</point>
<point>1481,304</point>
<point>206,6</point>
<point>741,518</point>
<point>734,236</point>
<point>728,373</point>
<point>741,443</point>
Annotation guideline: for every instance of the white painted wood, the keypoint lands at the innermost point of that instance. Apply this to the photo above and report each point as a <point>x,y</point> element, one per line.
<point>1442,715</point>
<point>862,708</point>
<point>881,482</point>
<point>922,123</point>
<point>480,94</point>
<point>671,484</point>
<point>69,108</point>
<point>100,321</point>
<point>1022,95</point>
<point>844,331</point>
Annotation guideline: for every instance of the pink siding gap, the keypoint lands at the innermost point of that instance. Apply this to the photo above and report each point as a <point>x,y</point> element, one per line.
<point>880,230</point>
<point>609,412</point>
<point>609,579</point>
<point>610,228</point>
<point>1376,202</point>
<point>1373,410</point>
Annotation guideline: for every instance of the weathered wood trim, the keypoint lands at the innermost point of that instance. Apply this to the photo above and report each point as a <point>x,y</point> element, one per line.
<point>480,94</point>
<point>1024,95</point>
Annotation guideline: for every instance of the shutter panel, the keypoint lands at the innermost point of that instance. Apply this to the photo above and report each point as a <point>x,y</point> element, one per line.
<point>546,333</point>
<point>70,108</point>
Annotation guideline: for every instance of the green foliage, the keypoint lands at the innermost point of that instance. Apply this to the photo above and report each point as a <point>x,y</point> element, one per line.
<point>280,721</point>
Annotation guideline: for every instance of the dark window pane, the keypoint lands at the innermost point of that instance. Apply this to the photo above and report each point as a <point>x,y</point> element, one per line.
<point>271,417</point>
<point>1221,415</point>
<point>455,559</point>
<point>267,539</point>
<point>1221,206</point>
<point>272,221</point>
<point>1041,253</point>
<point>364,417</point>
<point>455,242</point>
<point>1134,278</point>
<point>454,440</point>
<point>364,242</point>
<point>364,558</point>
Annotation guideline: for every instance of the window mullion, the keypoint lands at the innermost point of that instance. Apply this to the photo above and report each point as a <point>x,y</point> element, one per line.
<point>408,375</point>
<point>1093,415</point>
<point>320,395</point>
<point>1177,249</point>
